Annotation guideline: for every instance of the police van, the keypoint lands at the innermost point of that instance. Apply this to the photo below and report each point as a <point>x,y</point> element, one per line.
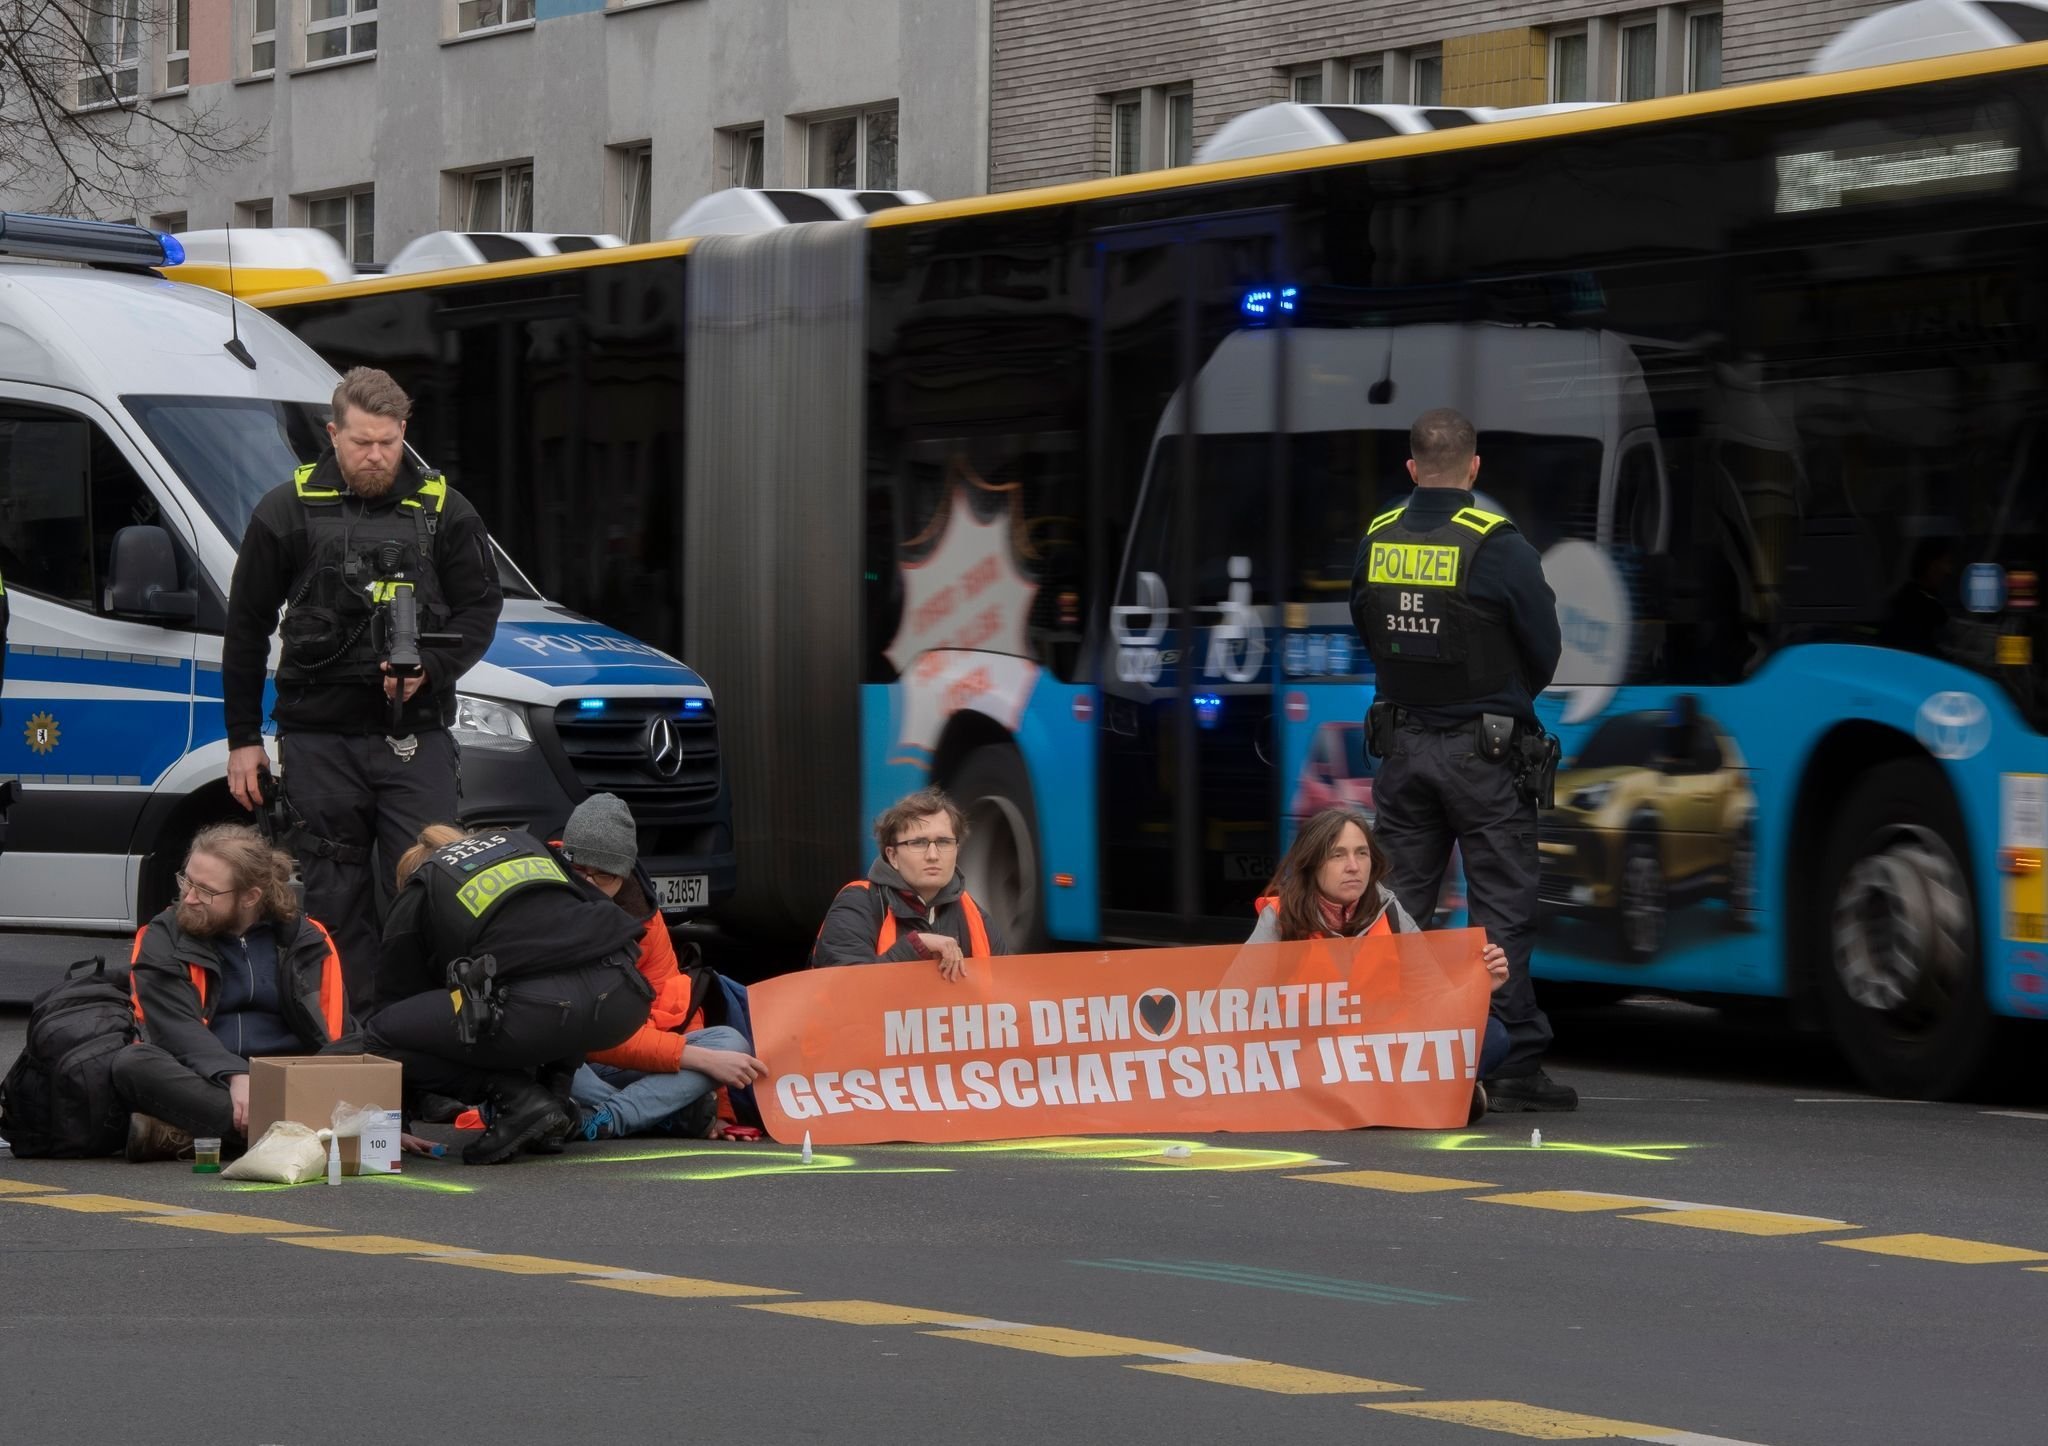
<point>140,421</point>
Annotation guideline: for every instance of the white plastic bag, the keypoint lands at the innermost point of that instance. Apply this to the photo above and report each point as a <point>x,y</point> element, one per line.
<point>376,1133</point>
<point>287,1154</point>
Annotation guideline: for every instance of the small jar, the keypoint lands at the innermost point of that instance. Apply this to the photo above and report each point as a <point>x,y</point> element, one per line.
<point>206,1156</point>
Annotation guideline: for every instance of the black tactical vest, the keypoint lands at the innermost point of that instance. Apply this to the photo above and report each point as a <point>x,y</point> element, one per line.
<point>468,880</point>
<point>329,632</point>
<point>1432,642</point>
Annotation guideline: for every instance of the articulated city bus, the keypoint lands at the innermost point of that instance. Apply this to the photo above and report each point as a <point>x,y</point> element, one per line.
<point>1052,497</point>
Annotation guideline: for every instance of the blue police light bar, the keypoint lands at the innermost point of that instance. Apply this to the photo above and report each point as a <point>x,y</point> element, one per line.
<point>693,705</point>
<point>104,243</point>
<point>590,705</point>
<point>1265,301</point>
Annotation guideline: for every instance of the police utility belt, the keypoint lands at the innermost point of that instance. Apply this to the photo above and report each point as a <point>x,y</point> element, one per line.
<point>479,993</point>
<point>1496,737</point>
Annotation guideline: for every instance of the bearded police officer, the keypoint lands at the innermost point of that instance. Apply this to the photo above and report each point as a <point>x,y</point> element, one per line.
<point>1451,601</point>
<point>501,970</point>
<point>391,594</point>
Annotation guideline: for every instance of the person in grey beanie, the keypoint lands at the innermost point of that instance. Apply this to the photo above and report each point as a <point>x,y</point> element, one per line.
<point>665,1078</point>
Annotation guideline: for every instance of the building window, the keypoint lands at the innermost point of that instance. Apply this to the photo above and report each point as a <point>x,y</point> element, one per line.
<point>263,38</point>
<point>636,170</point>
<point>178,54</point>
<point>1638,61</point>
<point>1124,150</point>
<point>1180,127</point>
<point>1426,79</point>
<point>490,14</point>
<point>336,29</point>
<point>743,156</point>
<point>855,152</point>
<point>1306,88</point>
<point>351,219</point>
<point>1703,50</point>
<point>253,214</point>
<point>113,58</point>
<point>1368,85</point>
<point>1568,67</point>
<point>169,223</point>
<point>500,199</point>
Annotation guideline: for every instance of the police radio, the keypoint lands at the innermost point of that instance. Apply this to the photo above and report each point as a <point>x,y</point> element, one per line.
<point>397,636</point>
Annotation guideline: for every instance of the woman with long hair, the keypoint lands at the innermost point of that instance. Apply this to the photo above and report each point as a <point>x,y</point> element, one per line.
<point>1329,887</point>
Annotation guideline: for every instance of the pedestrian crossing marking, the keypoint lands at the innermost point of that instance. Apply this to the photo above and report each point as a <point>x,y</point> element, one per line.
<point>1944,1248</point>
<point>222,1223</point>
<point>1394,1181</point>
<point>1278,1379</point>
<point>372,1245</point>
<point>682,1287</point>
<point>868,1313</point>
<point>22,1187</point>
<point>1055,1341</point>
<point>1744,1222</point>
<point>1515,1418</point>
<point>1572,1202</point>
<point>114,1205</point>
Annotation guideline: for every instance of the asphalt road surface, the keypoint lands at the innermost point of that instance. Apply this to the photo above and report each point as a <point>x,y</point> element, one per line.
<point>1728,1243</point>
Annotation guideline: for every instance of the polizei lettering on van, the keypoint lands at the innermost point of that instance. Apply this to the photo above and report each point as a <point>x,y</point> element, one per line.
<point>1414,564</point>
<point>479,893</point>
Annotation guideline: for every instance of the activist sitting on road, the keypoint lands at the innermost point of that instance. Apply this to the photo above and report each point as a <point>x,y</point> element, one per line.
<point>230,971</point>
<point>562,981</point>
<point>913,904</point>
<point>1330,885</point>
<point>665,1078</point>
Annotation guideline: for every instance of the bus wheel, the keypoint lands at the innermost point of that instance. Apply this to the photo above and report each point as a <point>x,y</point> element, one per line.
<point>1000,856</point>
<point>1900,979</point>
<point>1641,914</point>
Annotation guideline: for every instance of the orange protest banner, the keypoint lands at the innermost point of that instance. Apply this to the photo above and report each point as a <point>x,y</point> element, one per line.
<point>1323,1035</point>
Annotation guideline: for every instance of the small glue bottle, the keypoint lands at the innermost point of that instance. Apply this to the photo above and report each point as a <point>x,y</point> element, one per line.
<point>1535,1139</point>
<point>333,1158</point>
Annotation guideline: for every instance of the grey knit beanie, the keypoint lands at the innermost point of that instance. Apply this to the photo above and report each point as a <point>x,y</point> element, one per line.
<point>600,835</point>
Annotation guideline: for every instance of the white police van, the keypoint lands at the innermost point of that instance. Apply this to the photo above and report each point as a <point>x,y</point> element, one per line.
<point>140,421</point>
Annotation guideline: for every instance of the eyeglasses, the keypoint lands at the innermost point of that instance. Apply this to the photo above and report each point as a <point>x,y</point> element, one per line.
<point>927,845</point>
<point>187,886</point>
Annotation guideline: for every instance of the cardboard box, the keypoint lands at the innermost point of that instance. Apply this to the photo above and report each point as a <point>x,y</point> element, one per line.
<point>306,1088</point>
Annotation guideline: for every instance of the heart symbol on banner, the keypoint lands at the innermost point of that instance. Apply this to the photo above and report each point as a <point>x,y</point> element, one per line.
<point>1158,1014</point>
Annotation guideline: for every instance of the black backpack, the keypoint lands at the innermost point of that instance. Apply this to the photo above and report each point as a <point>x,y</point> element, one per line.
<point>59,1098</point>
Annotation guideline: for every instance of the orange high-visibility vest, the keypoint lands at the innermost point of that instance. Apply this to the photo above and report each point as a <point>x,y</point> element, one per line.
<point>333,1006</point>
<point>977,931</point>
<point>1378,926</point>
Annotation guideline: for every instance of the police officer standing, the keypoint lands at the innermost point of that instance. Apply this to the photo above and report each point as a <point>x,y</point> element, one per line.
<point>353,547</point>
<point>1452,603</point>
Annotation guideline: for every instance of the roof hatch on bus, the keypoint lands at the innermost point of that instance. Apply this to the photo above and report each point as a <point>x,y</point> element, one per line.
<point>264,260</point>
<point>440,250</point>
<point>741,208</point>
<point>1293,126</point>
<point>1925,28</point>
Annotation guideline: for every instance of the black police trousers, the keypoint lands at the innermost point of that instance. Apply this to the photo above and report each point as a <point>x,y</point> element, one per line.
<point>360,806</point>
<point>1435,790</point>
<point>546,1021</point>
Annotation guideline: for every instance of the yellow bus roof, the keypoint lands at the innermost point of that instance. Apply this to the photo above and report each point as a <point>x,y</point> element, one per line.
<point>1578,122</point>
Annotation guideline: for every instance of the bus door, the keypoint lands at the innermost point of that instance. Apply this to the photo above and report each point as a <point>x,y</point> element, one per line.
<point>1188,447</point>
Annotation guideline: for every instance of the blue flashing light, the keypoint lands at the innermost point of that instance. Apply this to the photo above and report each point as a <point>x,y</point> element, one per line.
<point>590,705</point>
<point>1208,708</point>
<point>1266,301</point>
<point>693,705</point>
<point>174,250</point>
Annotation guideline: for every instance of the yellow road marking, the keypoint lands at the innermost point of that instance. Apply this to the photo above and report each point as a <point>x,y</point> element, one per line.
<point>222,1223</point>
<point>22,1187</point>
<point>1055,1341</point>
<point>520,1264</point>
<point>1280,1380</point>
<point>113,1205</point>
<point>1744,1222</point>
<point>1516,1418</point>
<point>372,1244</point>
<point>1395,1181</point>
<point>682,1287</point>
<point>868,1313</point>
<point>1570,1201</point>
<point>1944,1248</point>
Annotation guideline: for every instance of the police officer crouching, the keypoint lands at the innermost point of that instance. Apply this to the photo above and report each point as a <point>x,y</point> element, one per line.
<point>500,964</point>
<point>1452,603</point>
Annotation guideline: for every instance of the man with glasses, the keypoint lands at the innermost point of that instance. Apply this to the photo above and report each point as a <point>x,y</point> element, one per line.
<point>230,971</point>
<point>913,904</point>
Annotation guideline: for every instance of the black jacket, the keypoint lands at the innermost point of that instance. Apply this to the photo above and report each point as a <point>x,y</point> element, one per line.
<point>853,925</point>
<point>1507,572</point>
<point>175,1017</point>
<point>267,573</point>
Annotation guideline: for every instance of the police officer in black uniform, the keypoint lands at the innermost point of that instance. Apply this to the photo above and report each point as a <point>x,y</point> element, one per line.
<point>501,970</point>
<point>368,759</point>
<point>1452,603</point>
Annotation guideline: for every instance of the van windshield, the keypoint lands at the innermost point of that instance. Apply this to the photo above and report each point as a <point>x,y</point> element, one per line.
<point>229,451</point>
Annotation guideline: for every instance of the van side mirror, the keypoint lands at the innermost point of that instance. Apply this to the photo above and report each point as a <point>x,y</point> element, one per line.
<point>142,578</point>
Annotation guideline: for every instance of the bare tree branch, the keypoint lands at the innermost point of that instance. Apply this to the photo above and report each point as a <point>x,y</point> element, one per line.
<point>76,127</point>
